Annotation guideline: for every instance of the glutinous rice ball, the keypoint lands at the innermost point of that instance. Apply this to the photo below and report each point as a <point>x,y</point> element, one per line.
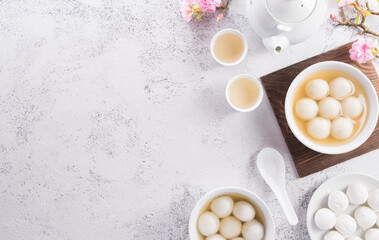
<point>317,89</point>
<point>319,128</point>
<point>306,108</point>
<point>352,107</point>
<point>230,227</point>
<point>208,223</point>
<point>329,108</point>
<point>365,217</point>
<point>357,193</point>
<point>253,230</point>
<point>222,206</point>
<point>373,200</point>
<point>333,235</point>
<point>341,88</point>
<point>244,211</point>
<point>325,219</point>
<point>342,128</point>
<point>372,234</point>
<point>346,225</point>
<point>338,201</point>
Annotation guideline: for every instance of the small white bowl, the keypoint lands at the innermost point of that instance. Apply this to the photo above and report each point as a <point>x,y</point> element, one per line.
<point>253,79</point>
<point>373,107</point>
<point>263,213</point>
<point>226,31</point>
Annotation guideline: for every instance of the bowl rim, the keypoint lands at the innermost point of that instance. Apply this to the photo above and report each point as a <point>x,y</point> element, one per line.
<point>269,220</point>
<point>373,114</point>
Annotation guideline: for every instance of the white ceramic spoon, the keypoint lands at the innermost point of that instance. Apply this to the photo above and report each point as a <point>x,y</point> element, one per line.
<point>272,168</point>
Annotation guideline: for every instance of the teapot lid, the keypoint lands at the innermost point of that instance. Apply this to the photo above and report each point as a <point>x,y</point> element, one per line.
<point>291,11</point>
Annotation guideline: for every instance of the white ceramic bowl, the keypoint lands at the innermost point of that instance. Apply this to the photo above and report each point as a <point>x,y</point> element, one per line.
<point>251,78</point>
<point>373,107</point>
<point>263,213</point>
<point>235,32</point>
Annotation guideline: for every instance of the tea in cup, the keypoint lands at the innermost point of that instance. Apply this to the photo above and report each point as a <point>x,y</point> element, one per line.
<point>244,93</point>
<point>229,47</point>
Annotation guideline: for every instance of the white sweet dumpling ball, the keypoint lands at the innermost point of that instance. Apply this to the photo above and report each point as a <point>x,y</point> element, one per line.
<point>341,88</point>
<point>372,234</point>
<point>222,206</point>
<point>319,128</point>
<point>352,107</point>
<point>365,217</point>
<point>342,128</point>
<point>373,200</point>
<point>357,193</point>
<point>230,227</point>
<point>306,108</point>
<point>215,237</point>
<point>354,238</point>
<point>244,211</point>
<point>329,108</point>
<point>317,89</point>
<point>338,201</point>
<point>346,225</point>
<point>325,219</point>
<point>333,235</point>
<point>208,223</point>
<point>253,230</point>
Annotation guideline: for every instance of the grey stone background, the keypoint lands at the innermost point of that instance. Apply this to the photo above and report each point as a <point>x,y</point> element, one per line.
<point>113,121</point>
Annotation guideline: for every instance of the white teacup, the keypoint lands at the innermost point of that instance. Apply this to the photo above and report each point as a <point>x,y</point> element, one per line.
<point>245,92</point>
<point>222,33</point>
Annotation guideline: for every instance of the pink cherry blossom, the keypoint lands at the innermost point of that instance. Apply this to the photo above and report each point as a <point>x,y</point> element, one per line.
<point>361,50</point>
<point>220,17</point>
<point>333,17</point>
<point>343,3</point>
<point>209,5</point>
<point>187,10</point>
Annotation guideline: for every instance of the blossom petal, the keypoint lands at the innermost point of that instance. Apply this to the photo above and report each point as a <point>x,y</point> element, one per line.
<point>361,50</point>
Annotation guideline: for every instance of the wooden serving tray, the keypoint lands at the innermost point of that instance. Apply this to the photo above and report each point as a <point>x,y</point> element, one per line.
<point>276,84</point>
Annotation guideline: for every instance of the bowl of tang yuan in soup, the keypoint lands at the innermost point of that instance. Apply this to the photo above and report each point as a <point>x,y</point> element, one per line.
<point>331,107</point>
<point>231,213</point>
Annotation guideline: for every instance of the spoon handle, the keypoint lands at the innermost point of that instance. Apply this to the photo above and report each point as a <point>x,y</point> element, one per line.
<point>286,205</point>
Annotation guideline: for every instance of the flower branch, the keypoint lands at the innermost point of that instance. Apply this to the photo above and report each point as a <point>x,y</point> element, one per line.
<point>197,8</point>
<point>364,49</point>
<point>361,24</point>
<point>372,12</point>
<point>224,6</point>
<point>362,14</point>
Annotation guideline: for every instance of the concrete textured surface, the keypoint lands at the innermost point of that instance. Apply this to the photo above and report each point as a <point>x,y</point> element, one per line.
<point>113,121</point>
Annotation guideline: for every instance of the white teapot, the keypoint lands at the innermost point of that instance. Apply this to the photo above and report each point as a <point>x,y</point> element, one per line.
<point>281,23</point>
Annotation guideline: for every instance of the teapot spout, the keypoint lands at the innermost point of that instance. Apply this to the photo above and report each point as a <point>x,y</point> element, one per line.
<point>276,43</point>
